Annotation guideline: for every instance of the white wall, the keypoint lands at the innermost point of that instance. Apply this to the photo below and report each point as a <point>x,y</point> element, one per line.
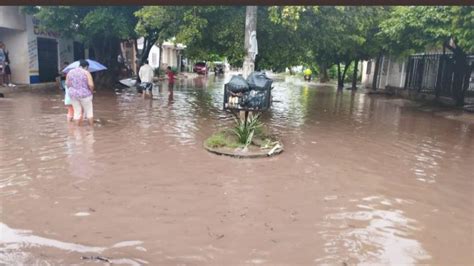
<point>397,75</point>
<point>12,18</point>
<point>16,45</point>
<point>65,46</point>
<point>154,56</point>
<point>169,56</point>
<point>19,33</point>
<point>392,72</point>
<point>367,78</point>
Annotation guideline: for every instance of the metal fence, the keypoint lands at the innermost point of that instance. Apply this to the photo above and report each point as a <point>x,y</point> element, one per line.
<point>434,74</point>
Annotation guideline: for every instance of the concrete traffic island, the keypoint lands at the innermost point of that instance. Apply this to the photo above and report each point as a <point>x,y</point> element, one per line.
<point>225,143</point>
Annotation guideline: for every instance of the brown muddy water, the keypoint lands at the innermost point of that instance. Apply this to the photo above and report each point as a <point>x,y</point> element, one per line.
<point>363,179</point>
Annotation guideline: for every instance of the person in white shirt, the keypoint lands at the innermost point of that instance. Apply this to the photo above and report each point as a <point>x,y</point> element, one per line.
<point>146,74</point>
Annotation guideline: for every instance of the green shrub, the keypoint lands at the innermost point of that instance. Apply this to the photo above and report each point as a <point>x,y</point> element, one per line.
<point>217,140</point>
<point>222,139</point>
<point>245,131</point>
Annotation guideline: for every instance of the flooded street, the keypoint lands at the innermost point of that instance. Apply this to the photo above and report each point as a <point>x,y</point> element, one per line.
<point>362,179</point>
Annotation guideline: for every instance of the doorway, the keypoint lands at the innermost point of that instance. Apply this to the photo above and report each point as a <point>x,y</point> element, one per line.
<point>47,59</point>
<point>78,51</point>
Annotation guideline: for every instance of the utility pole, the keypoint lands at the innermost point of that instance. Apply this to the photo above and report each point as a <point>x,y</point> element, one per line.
<point>250,44</point>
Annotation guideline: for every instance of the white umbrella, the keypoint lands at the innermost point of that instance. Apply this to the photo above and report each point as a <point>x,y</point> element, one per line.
<point>94,66</point>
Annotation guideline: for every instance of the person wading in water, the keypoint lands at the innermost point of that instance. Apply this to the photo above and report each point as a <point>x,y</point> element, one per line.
<point>81,87</point>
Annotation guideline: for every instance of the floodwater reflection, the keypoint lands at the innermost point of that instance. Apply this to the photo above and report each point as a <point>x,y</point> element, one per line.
<point>13,242</point>
<point>141,173</point>
<point>375,233</point>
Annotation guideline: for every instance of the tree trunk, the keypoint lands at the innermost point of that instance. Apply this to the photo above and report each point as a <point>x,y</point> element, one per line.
<point>346,66</point>
<point>146,49</point>
<point>324,77</point>
<point>339,83</point>
<point>376,71</point>
<point>106,54</point>
<point>354,74</point>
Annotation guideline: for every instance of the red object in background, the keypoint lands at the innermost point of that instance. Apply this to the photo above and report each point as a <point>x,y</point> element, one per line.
<point>200,68</point>
<point>170,76</point>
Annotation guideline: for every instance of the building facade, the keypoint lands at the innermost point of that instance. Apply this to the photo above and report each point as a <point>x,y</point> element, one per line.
<point>426,73</point>
<point>392,72</point>
<point>36,55</point>
<point>172,54</point>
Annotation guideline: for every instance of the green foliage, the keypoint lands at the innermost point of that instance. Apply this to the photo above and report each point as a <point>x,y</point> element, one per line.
<point>245,131</point>
<point>279,45</point>
<point>462,26</point>
<point>350,71</point>
<point>210,31</point>
<point>159,21</point>
<point>87,23</point>
<point>157,24</point>
<point>330,35</point>
<point>108,21</point>
<point>221,139</point>
<point>332,71</point>
<point>417,28</point>
<point>99,27</point>
<point>287,35</point>
<point>288,15</point>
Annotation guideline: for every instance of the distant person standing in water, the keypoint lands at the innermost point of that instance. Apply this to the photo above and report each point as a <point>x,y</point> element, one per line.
<point>80,88</point>
<point>146,74</point>
<point>171,78</point>
<point>3,59</point>
<point>8,71</point>
<point>67,99</point>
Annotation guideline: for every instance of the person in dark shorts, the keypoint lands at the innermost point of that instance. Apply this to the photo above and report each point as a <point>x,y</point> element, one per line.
<point>146,75</point>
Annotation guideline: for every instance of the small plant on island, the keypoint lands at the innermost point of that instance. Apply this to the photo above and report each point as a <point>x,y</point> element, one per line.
<point>246,130</point>
<point>243,138</point>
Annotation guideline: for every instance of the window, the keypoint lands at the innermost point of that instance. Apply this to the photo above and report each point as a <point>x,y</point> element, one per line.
<point>369,67</point>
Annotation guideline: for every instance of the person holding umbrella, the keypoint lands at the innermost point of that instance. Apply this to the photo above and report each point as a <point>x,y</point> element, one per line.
<point>61,79</point>
<point>83,87</point>
<point>80,88</point>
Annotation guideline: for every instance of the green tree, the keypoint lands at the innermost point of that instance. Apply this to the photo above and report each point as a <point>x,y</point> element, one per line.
<point>332,35</point>
<point>102,28</point>
<point>280,46</point>
<point>213,30</point>
<point>157,24</point>
<point>420,28</point>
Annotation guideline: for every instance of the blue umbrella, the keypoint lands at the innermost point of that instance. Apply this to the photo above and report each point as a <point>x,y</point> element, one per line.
<point>94,66</point>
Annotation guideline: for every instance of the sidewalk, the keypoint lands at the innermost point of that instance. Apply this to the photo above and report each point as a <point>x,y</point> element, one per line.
<point>26,87</point>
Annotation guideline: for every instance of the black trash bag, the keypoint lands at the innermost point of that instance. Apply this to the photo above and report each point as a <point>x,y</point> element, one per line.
<point>237,84</point>
<point>255,99</point>
<point>259,81</point>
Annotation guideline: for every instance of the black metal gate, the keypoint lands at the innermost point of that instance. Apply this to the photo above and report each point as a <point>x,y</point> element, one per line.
<point>434,74</point>
<point>47,59</point>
